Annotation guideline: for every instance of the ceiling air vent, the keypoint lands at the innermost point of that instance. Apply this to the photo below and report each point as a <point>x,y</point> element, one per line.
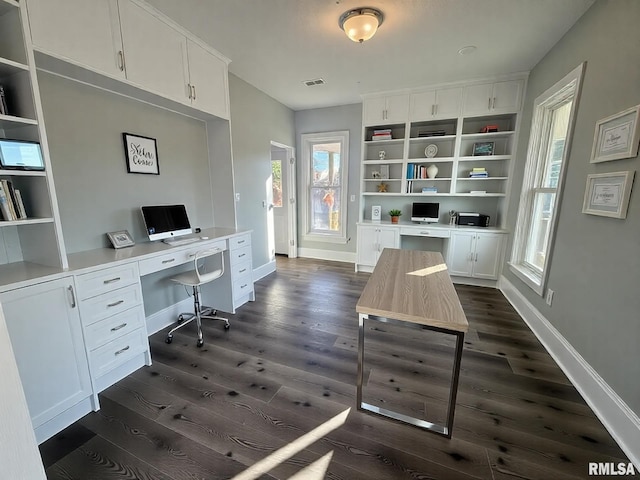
<point>312,83</point>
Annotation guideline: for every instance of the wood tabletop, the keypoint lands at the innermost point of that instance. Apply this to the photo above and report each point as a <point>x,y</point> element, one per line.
<point>413,286</point>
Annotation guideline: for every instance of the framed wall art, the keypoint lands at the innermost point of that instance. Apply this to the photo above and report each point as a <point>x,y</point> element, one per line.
<point>617,136</point>
<point>141,153</point>
<point>607,194</point>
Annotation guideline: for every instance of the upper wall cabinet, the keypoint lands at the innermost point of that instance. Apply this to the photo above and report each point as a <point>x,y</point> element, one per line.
<point>132,42</point>
<point>492,98</point>
<point>387,109</point>
<point>435,104</point>
<point>84,32</point>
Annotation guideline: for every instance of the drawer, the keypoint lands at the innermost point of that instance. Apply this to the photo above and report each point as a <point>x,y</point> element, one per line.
<point>94,283</point>
<point>425,232</point>
<point>242,286</point>
<point>107,330</point>
<point>240,269</point>
<point>240,255</point>
<point>239,241</point>
<point>110,303</point>
<point>177,256</point>
<point>117,352</point>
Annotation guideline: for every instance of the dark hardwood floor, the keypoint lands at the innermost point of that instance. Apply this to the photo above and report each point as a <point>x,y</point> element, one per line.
<point>280,385</point>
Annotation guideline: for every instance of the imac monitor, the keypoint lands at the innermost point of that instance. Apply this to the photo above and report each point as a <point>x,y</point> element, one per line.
<point>166,221</point>
<point>425,212</point>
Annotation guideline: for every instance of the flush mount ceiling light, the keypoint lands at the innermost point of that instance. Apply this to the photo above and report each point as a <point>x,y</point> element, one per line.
<point>361,24</point>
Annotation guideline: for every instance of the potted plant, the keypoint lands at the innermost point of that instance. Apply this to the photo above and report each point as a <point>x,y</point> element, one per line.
<point>395,215</point>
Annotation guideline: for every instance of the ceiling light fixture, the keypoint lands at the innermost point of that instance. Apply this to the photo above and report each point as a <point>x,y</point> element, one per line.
<point>361,24</point>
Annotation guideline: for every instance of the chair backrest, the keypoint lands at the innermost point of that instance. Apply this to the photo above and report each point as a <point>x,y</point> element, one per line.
<point>208,276</point>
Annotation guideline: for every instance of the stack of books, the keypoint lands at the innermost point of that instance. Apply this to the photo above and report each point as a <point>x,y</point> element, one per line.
<point>383,134</point>
<point>11,205</point>
<point>3,102</point>
<point>478,172</point>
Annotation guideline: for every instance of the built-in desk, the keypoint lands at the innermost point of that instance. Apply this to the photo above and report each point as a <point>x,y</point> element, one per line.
<point>88,323</point>
<point>412,288</point>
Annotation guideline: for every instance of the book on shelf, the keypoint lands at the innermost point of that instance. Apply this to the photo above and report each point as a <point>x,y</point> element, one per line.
<point>21,211</point>
<point>10,194</point>
<point>431,133</point>
<point>3,102</point>
<point>381,136</point>
<point>478,192</point>
<point>4,204</point>
<point>478,172</point>
<point>429,190</point>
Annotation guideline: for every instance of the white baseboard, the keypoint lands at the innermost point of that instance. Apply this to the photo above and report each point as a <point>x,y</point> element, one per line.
<point>162,319</point>
<point>320,254</point>
<point>622,423</point>
<point>264,270</point>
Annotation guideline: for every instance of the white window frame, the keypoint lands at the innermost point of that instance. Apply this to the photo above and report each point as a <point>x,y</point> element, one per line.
<point>567,88</point>
<point>308,140</point>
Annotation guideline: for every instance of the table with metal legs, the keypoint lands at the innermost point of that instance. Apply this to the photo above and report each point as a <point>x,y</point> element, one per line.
<point>412,289</point>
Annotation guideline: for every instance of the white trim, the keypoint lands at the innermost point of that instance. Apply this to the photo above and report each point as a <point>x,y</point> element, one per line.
<point>621,422</point>
<point>331,255</point>
<point>167,316</point>
<point>264,270</point>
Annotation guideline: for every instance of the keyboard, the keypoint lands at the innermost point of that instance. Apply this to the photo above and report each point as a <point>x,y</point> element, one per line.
<point>181,241</point>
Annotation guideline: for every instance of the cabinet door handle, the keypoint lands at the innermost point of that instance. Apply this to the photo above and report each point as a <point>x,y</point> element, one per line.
<point>194,91</point>
<point>111,280</point>
<point>115,329</point>
<point>121,60</point>
<point>476,257</point>
<point>73,296</point>
<point>432,109</point>
<point>122,350</point>
<point>489,104</point>
<point>115,304</point>
<point>493,104</point>
<point>169,261</point>
<point>190,91</point>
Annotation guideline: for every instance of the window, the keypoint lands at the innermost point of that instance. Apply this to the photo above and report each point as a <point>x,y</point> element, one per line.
<point>551,129</point>
<point>276,182</point>
<point>325,163</point>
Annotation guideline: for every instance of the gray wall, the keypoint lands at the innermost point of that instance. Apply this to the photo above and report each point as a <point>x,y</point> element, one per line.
<point>95,193</point>
<point>595,266</point>
<point>333,119</point>
<point>256,120</point>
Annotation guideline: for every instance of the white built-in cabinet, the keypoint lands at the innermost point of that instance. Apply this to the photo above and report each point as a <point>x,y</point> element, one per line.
<point>46,335</point>
<point>386,109</point>
<point>434,104</point>
<point>474,254</point>
<point>82,31</point>
<point>130,41</point>
<point>372,239</point>
<point>493,98</point>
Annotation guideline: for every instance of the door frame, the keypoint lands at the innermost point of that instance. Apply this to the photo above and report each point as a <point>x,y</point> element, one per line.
<point>291,200</point>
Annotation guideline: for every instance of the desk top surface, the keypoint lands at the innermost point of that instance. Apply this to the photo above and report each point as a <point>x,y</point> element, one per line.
<point>413,286</point>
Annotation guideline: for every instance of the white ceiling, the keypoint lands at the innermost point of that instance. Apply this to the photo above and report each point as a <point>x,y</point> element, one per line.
<point>277,44</point>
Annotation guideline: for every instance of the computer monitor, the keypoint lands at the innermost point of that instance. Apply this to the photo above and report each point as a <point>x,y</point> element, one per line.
<point>425,212</point>
<point>166,221</point>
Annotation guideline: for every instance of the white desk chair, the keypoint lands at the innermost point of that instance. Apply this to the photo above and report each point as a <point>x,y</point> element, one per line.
<point>199,276</point>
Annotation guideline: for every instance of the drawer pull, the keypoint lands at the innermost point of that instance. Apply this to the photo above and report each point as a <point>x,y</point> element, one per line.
<point>242,255</point>
<point>240,241</point>
<point>122,350</point>
<point>424,233</point>
<point>115,329</point>
<point>115,303</point>
<point>244,286</point>
<point>117,279</point>
<point>243,270</point>
<point>169,261</point>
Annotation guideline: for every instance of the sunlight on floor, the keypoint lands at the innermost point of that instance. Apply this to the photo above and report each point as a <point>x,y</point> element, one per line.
<point>315,470</point>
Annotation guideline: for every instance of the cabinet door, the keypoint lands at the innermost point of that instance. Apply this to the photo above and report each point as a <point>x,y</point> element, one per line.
<point>507,96</point>
<point>373,111</point>
<point>397,108</point>
<point>447,102</point>
<point>46,336</point>
<point>155,53</point>
<point>208,77</point>
<point>478,98</point>
<point>422,105</point>
<point>488,252</point>
<point>459,253</point>
<point>87,32</point>
<point>387,238</point>
<point>367,246</point>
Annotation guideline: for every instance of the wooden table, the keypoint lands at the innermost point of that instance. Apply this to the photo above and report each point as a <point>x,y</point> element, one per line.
<point>412,288</point>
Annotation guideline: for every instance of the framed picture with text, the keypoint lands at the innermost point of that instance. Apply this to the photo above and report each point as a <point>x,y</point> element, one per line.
<point>617,136</point>
<point>121,239</point>
<point>141,154</point>
<point>607,194</point>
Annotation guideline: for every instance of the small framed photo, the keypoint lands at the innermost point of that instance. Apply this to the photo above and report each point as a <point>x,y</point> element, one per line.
<point>616,136</point>
<point>481,149</point>
<point>607,194</point>
<point>141,154</point>
<point>121,239</point>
